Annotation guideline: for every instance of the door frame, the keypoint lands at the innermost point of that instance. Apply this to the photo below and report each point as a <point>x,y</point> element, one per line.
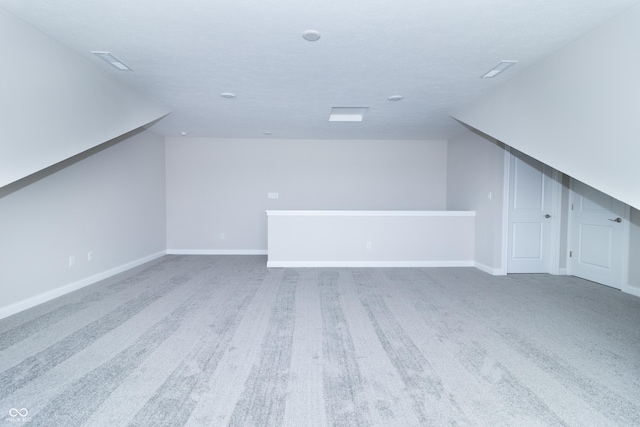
<point>553,265</point>
<point>626,230</point>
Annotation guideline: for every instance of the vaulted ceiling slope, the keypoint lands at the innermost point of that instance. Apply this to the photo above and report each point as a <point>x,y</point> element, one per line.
<point>433,53</point>
<point>55,104</point>
<point>576,110</point>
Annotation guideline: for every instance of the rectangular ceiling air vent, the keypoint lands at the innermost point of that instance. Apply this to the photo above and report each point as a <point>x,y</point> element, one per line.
<point>347,114</point>
<point>502,65</point>
<point>112,60</point>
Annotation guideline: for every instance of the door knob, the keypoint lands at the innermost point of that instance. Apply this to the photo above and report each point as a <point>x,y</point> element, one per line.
<point>547,216</point>
<point>616,220</point>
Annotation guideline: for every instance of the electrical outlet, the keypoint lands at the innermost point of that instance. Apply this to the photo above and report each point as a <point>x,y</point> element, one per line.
<point>221,236</point>
<point>368,245</point>
<point>72,260</point>
<point>89,256</point>
<point>272,195</point>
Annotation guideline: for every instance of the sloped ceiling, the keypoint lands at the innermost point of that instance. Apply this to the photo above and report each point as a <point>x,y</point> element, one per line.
<point>576,110</point>
<point>54,104</point>
<point>185,54</point>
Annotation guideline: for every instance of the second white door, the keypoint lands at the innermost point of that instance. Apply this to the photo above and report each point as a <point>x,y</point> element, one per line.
<point>599,229</point>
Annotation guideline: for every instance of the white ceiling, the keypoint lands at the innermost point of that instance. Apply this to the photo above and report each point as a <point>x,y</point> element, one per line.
<point>432,52</point>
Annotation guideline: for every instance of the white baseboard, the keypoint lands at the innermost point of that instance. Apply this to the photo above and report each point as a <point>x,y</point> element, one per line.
<point>631,290</point>
<point>216,251</point>
<point>502,272</point>
<point>55,293</point>
<point>489,270</point>
<point>313,264</point>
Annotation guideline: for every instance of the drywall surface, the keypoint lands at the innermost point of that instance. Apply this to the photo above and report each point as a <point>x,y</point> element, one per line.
<point>217,189</point>
<point>110,203</point>
<point>576,110</point>
<point>370,238</point>
<point>475,181</point>
<point>56,104</point>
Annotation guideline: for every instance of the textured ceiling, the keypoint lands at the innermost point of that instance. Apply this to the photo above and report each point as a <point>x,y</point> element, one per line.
<point>432,52</point>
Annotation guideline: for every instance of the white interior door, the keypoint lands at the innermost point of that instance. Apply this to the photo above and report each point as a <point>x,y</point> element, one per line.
<point>530,216</point>
<point>599,233</point>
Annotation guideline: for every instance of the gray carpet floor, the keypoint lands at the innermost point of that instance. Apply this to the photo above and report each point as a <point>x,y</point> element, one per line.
<point>222,340</point>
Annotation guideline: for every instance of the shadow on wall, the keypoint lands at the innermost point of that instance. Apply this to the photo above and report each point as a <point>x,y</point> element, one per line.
<point>26,181</point>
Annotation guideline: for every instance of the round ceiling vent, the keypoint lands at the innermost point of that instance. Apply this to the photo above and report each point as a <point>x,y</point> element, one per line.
<point>311,35</point>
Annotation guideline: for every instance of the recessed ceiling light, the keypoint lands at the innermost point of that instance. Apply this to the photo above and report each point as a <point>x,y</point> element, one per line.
<point>267,133</point>
<point>228,95</point>
<point>311,35</point>
<point>502,65</point>
<point>347,114</point>
<point>396,98</point>
<point>183,133</point>
<point>112,60</point>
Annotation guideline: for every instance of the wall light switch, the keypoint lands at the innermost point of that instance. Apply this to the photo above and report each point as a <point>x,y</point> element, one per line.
<point>272,195</point>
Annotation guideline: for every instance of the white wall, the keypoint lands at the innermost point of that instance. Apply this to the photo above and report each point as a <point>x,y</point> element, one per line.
<point>475,168</point>
<point>371,238</point>
<point>111,202</point>
<point>55,103</point>
<point>220,186</point>
<point>576,110</point>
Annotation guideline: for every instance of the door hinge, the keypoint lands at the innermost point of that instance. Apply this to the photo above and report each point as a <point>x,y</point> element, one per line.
<point>571,206</point>
<point>570,254</point>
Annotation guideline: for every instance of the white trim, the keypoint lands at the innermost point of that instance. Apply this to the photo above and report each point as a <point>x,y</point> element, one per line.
<point>632,291</point>
<point>489,270</point>
<point>506,182</point>
<point>562,272</point>
<point>626,242</point>
<point>506,199</point>
<point>371,213</point>
<point>63,290</point>
<point>570,233</point>
<point>216,251</point>
<point>556,221</point>
<point>410,264</point>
